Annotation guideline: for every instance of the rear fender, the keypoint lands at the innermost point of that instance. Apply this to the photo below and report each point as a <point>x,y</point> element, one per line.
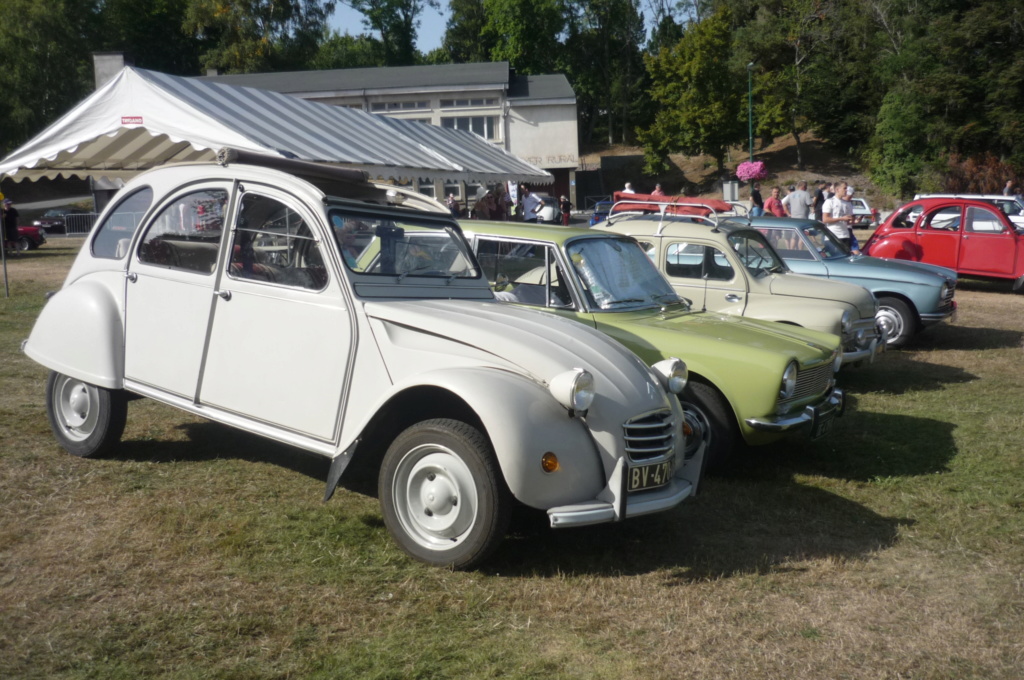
<point>80,333</point>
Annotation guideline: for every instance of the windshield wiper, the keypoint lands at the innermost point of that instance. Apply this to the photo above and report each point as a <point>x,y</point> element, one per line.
<point>623,301</point>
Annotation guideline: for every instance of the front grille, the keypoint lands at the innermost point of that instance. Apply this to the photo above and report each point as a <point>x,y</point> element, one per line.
<point>810,382</point>
<point>650,436</point>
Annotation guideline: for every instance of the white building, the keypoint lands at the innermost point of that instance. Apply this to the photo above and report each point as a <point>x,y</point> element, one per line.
<point>532,117</point>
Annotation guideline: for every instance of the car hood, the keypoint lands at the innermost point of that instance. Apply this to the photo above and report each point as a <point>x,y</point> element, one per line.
<point>538,344</point>
<point>798,285</point>
<point>885,268</point>
<point>730,334</point>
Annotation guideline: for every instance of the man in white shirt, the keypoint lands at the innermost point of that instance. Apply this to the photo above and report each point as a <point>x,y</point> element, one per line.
<point>837,213</point>
<point>531,205</point>
<point>798,203</point>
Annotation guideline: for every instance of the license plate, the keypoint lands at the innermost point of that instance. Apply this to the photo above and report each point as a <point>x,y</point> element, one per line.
<point>649,476</point>
<point>823,424</point>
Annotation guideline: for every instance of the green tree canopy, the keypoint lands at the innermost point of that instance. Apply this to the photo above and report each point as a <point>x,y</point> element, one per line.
<point>397,22</point>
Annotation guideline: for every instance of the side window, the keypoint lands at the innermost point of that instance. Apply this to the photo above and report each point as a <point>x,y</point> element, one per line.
<point>186,234</point>
<point>983,221</point>
<point>273,244</point>
<point>114,236</point>
<point>650,249</point>
<point>526,273</point>
<point>944,219</point>
<point>692,261</point>
<point>787,242</point>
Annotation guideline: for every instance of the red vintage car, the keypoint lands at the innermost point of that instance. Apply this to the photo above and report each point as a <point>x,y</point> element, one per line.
<point>29,238</point>
<point>972,237</point>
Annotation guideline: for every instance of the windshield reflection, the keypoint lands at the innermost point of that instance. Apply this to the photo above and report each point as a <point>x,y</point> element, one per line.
<point>755,253</point>
<point>617,274</point>
<point>824,241</point>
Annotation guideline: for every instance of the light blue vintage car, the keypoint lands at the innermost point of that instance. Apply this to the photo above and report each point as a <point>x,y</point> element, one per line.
<point>911,295</point>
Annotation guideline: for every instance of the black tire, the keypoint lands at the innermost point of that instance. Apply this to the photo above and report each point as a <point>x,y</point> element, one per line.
<point>898,319</point>
<point>87,420</point>
<point>23,244</point>
<point>707,409</point>
<point>461,526</point>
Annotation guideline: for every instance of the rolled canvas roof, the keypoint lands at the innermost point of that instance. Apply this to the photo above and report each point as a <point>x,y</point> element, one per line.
<point>142,119</point>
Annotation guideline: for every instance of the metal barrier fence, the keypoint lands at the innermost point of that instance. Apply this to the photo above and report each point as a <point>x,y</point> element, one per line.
<point>75,224</point>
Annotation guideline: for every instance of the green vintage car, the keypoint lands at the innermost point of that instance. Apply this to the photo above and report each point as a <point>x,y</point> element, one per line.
<point>750,381</point>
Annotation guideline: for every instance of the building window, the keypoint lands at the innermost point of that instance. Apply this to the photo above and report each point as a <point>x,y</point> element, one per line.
<point>426,187</point>
<point>391,107</point>
<point>481,125</point>
<point>467,103</point>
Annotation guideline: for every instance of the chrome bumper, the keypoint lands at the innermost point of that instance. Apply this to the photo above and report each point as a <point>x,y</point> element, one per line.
<point>812,417</point>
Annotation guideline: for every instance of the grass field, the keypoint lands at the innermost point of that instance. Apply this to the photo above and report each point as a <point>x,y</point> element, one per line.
<point>893,549</point>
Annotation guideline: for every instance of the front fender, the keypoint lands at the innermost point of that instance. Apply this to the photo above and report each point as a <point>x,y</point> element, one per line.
<point>80,333</point>
<point>523,422</point>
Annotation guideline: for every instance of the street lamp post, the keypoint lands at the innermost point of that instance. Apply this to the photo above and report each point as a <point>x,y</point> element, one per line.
<point>750,108</point>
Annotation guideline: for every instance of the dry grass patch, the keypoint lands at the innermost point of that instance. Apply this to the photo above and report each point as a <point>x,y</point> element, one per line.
<point>890,550</point>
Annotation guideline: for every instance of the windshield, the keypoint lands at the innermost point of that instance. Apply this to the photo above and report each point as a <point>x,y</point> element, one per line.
<point>617,274</point>
<point>373,244</point>
<point>754,252</point>
<point>824,241</point>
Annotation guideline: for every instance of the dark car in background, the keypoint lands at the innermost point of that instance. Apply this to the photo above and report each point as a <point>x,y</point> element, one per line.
<point>601,210</point>
<point>53,221</point>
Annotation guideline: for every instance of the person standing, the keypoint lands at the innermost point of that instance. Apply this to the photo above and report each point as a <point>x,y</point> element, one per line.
<point>1008,189</point>
<point>565,207</point>
<point>628,189</point>
<point>10,225</point>
<point>774,204</point>
<point>837,214</point>
<point>657,191</point>
<point>756,202</point>
<point>798,202</point>
<point>453,205</point>
<point>531,205</point>
<point>819,199</point>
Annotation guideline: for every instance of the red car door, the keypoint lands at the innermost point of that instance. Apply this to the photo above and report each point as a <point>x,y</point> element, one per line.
<point>988,245</point>
<point>938,235</point>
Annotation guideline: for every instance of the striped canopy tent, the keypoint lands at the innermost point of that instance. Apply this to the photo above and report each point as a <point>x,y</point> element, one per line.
<point>142,119</point>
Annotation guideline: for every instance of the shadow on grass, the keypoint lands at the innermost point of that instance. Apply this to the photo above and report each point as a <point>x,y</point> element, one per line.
<point>966,338</point>
<point>213,441</point>
<point>735,527</point>
<point>898,373</point>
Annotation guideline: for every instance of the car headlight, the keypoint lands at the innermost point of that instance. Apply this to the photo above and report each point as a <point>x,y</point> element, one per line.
<point>673,374</point>
<point>37,223</point>
<point>847,322</point>
<point>574,390</point>
<point>943,291</point>
<point>789,381</point>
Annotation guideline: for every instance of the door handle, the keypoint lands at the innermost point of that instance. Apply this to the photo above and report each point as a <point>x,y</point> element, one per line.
<point>132,277</point>
<point>733,297</point>
<point>223,294</point>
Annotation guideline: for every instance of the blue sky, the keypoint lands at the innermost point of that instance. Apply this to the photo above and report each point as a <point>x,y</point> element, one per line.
<point>428,37</point>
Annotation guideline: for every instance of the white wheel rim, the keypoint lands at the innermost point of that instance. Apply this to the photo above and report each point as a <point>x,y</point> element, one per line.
<point>891,321</point>
<point>76,405</point>
<point>435,497</point>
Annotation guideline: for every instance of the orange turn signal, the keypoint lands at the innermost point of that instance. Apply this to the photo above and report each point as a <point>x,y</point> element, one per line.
<point>549,462</point>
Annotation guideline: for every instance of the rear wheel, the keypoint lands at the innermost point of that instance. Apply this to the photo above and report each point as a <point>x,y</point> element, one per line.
<point>896,317</point>
<point>710,416</point>
<point>442,494</point>
<point>87,420</point>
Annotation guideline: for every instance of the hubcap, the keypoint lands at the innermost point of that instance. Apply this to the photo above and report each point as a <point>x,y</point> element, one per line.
<point>892,322</point>
<point>435,497</point>
<point>76,406</point>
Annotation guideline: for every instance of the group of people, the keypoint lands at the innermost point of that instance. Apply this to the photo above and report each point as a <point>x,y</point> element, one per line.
<point>831,203</point>
<point>498,204</point>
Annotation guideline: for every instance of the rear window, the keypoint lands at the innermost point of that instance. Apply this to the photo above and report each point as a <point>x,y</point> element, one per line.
<point>114,236</point>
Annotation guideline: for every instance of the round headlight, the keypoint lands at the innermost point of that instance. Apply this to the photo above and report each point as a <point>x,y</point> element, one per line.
<point>574,390</point>
<point>789,381</point>
<point>943,291</point>
<point>847,321</point>
<point>673,374</point>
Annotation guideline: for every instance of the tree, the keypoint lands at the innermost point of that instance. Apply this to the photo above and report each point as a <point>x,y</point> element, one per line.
<point>700,98</point>
<point>258,35</point>
<point>396,21</point>
<point>525,33</point>
<point>46,68</point>
<point>348,51</point>
<point>464,39</point>
<point>151,33</point>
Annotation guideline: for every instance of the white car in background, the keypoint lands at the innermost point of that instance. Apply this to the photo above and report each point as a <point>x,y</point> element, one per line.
<point>864,215</point>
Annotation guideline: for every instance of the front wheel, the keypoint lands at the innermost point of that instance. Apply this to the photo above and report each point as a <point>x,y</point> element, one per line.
<point>442,494</point>
<point>23,244</point>
<point>87,420</point>
<point>710,417</point>
<point>896,317</point>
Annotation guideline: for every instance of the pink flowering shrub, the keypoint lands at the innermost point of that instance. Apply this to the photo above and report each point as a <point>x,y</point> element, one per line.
<point>749,172</point>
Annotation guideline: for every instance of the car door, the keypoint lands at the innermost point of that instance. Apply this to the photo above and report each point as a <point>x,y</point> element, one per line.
<point>938,235</point>
<point>281,328</point>
<point>704,274</point>
<point>169,290</point>
<point>988,244</point>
